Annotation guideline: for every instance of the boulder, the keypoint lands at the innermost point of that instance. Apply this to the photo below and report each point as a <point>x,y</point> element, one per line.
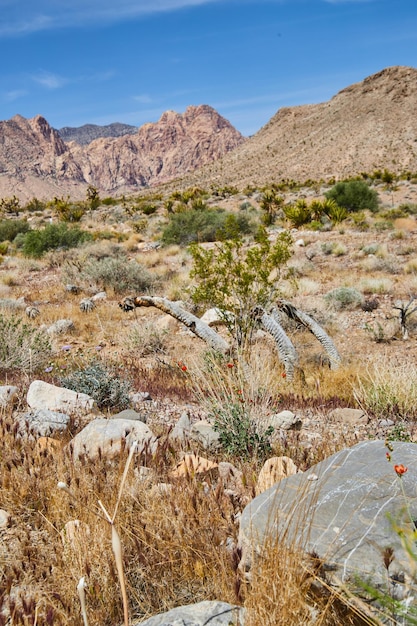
<point>274,469</point>
<point>349,416</point>
<point>8,395</point>
<point>211,612</point>
<point>216,317</point>
<point>42,395</point>
<point>182,428</point>
<point>191,465</point>
<point>345,510</point>
<point>104,436</point>
<point>285,420</point>
<point>60,327</point>
<point>129,414</point>
<point>43,422</point>
<point>204,433</point>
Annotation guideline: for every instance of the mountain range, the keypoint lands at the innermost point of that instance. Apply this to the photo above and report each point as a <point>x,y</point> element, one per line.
<point>368,125</point>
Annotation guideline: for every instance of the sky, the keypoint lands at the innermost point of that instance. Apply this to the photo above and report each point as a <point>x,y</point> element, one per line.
<point>81,62</point>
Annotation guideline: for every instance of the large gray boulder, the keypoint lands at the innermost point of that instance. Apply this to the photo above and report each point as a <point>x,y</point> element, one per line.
<point>343,509</point>
<point>213,612</point>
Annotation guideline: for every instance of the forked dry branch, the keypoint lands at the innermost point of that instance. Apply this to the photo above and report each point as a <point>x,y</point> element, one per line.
<point>269,322</point>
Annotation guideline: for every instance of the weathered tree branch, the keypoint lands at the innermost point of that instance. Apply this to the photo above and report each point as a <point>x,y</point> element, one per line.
<point>194,323</point>
<point>303,318</point>
<point>286,350</point>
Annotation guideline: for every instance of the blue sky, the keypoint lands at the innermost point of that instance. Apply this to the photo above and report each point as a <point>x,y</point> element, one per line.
<point>103,61</point>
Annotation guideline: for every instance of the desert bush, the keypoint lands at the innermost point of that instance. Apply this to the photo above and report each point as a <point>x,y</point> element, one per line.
<point>388,390</point>
<point>146,339</point>
<point>101,383</point>
<point>375,285</point>
<point>68,211</point>
<point>344,298</point>
<point>10,206</point>
<point>115,273</point>
<point>37,242</point>
<point>10,228</point>
<point>239,435</point>
<point>298,214</point>
<point>22,347</point>
<point>200,226</point>
<point>371,248</point>
<point>35,205</point>
<point>237,279</point>
<point>354,196</point>
<point>410,208</point>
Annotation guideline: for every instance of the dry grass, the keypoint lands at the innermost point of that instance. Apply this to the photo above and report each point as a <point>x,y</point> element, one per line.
<point>179,535</point>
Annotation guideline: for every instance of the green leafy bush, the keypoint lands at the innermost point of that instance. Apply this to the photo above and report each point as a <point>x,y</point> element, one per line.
<point>239,435</point>
<point>354,195</point>
<point>237,279</point>
<point>22,347</point>
<point>53,236</point>
<point>197,225</point>
<point>10,228</point>
<point>102,384</point>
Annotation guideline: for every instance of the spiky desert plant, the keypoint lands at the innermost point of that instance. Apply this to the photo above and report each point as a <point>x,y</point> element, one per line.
<point>405,311</point>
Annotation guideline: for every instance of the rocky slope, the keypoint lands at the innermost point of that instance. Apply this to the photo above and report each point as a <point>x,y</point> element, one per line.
<point>368,125</point>
<point>35,161</point>
<point>87,133</point>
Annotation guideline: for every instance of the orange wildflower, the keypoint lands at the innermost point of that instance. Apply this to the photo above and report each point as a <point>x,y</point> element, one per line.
<point>400,469</point>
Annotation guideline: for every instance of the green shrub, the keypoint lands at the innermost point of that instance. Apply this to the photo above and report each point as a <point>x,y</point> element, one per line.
<point>22,347</point>
<point>53,236</point>
<point>354,195</point>
<point>10,228</point>
<point>102,384</point>
<point>35,205</point>
<point>238,279</point>
<point>191,226</point>
<point>239,435</point>
<point>344,297</point>
<point>298,214</point>
<point>115,273</point>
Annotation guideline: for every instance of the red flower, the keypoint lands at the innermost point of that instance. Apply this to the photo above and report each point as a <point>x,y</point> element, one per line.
<point>230,365</point>
<point>400,469</point>
<point>184,368</point>
<point>387,454</point>
<point>284,374</point>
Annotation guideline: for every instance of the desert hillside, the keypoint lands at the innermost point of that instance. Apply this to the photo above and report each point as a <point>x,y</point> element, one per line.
<point>366,126</point>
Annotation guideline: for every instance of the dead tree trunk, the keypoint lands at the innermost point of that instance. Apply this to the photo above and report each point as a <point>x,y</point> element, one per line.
<point>199,328</point>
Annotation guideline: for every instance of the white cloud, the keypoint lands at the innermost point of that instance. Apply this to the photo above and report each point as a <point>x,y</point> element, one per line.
<point>15,94</point>
<point>49,80</point>
<point>50,14</point>
<point>143,99</point>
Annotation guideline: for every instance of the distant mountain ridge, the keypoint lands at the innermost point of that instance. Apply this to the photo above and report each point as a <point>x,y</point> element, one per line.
<point>36,161</point>
<point>84,135</point>
<point>369,125</point>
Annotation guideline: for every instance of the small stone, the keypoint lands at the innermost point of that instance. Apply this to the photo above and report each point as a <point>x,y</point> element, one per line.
<point>4,518</point>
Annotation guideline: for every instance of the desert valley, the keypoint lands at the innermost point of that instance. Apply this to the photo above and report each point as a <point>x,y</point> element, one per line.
<point>208,367</point>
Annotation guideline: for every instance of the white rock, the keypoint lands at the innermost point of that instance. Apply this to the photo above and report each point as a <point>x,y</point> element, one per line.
<point>8,394</point>
<point>104,436</point>
<point>42,395</point>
